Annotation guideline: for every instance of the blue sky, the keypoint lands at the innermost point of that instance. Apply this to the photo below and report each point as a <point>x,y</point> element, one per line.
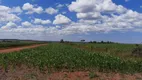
<point>72,20</point>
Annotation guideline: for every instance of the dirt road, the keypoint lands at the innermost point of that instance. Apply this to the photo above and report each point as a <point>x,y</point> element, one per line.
<point>20,48</point>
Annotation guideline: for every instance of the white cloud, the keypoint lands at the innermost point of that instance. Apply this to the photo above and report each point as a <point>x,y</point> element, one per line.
<point>17,9</point>
<point>104,6</point>
<point>38,10</point>
<point>127,0</point>
<point>10,10</point>
<point>60,6</point>
<point>64,12</point>
<point>102,16</point>
<point>32,9</point>
<point>90,15</point>
<point>9,25</point>
<point>4,9</point>
<point>26,24</point>
<point>40,21</point>
<point>93,16</point>
<point>51,10</point>
<point>61,19</point>
<point>7,15</point>
<point>27,6</point>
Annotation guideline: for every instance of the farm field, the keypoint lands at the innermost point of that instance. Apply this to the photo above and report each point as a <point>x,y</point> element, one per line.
<point>4,45</point>
<point>19,48</point>
<point>120,50</point>
<point>70,39</point>
<point>61,61</point>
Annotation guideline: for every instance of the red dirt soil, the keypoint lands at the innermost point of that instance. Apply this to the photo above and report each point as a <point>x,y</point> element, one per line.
<point>20,48</point>
<point>25,73</point>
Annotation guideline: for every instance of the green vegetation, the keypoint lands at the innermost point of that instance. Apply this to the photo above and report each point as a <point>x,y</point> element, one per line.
<point>63,56</point>
<point>92,75</point>
<point>121,50</point>
<point>137,51</point>
<point>16,44</point>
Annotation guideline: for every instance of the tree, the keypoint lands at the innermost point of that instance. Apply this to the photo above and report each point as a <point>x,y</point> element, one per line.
<point>102,42</point>
<point>90,42</point>
<point>94,41</point>
<point>137,51</point>
<point>61,41</point>
<point>82,40</point>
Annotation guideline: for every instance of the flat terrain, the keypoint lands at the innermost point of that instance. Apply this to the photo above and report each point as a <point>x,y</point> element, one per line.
<point>4,45</point>
<point>8,50</point>
<point>26,73</point>
<point>119,50</point>
<point>57,61</point>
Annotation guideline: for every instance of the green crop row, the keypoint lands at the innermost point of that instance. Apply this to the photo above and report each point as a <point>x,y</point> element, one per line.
<point>62,56</point>
<point>121,50</point>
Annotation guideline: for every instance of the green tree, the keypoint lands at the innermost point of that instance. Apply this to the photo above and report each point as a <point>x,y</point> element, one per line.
<point>61,41</point>
<point>82,40</point>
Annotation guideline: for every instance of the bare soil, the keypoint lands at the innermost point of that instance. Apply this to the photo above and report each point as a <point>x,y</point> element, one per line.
<point>26,73</point>
<point>8,50</point>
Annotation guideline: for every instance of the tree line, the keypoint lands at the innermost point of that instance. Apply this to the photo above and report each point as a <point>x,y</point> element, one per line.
<point>83,41</point>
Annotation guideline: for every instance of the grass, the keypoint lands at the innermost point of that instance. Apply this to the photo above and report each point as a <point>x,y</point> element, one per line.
<point>121,50</point>
<point>16,44</point>
<point>62,56</point>
<point>92,75</point>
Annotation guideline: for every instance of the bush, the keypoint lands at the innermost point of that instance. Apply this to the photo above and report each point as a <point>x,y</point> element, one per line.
<point>137,51</point>
<point>61,41</point>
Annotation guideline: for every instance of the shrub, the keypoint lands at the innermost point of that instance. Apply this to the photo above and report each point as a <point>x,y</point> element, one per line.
<point>61,41</point>
<point>137,51</point>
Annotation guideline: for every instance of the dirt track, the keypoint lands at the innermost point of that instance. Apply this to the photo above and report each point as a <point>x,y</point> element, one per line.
<point>20,48</point>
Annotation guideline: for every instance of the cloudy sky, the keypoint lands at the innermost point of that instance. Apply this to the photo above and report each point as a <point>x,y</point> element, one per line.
<point>108,20</point>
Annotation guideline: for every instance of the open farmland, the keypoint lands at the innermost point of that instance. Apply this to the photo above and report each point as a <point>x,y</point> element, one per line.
<point>18,43</point>
<point>116,49</point>
<point>70,39</point>
<point>64,57</point>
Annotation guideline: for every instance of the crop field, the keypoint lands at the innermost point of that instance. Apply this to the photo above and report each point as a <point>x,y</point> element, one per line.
<point>58,56</point>
<point>4,45</point>
<point>121,50</point>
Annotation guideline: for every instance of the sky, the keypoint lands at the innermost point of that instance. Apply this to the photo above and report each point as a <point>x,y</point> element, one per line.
<point>72,20</point>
